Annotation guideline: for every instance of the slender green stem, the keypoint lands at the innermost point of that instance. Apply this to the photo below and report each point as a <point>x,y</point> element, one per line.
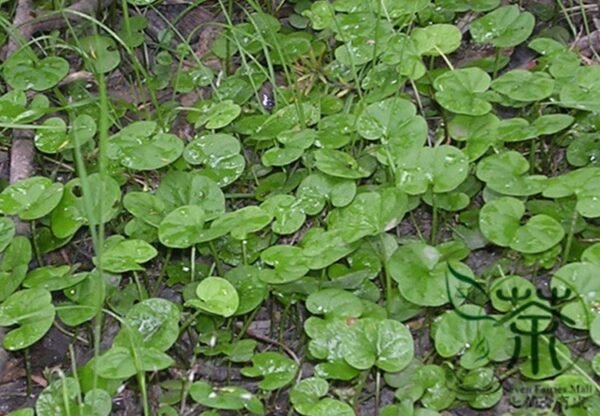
<point>388,280</point>
<point>496,62</point>
<point>74,370</point>
<point>434,220</point>
<point>577,368</point>
<point>215,255</point>
<point>532,156</point>
<point>139,287</point>
<point>362,379</point>
<point>191,319</point>
<point>569,243</point>
<point>34,244</point>
<point>247,322</point>
<point>65,395</point>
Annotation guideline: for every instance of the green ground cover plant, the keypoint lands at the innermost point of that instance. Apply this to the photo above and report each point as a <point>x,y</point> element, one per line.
<point>339,207</point>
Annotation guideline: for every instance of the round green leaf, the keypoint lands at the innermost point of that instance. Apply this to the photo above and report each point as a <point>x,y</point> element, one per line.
<point>215,115</point>
<point>384,119</point>
<point>288,262</point>
<point>58,137</point>
<point>125,255</point>
<point>580,280</point>
<point>331,407</point>
<point>24,71</point>
<point>251,289</point>
<point>101,53</point>
<point>281,156</point>
<point>276,369</point>
<point>499,221</point>
<point>190,188</point>
<point>340,164</point>
<point>583,93</point>
<point>525,86</point>
<point>505,173</point>
<point>145,206</point>
<point>386,344</point>
<point>334,303</point>
<point>505,27</point>
<point>323,248</point>
<point>371,213</point>
<point>53,278</point>
<point>460,91</point>
<point>7,232</point>
<point>539,234</point>
<point>437,39</point>
<point>182,227</point>
<point>584,183</point>
<point>421,271</point>
<point>468,5</point>
<point>220,155</point>
<point>151,323</point>
<point>72,211</point>
<point>216,295</point>
<point>441,169</point>
<point>242,222</point>
<point>140,147</point>
<point>307,393</point>
<point>32,311</point>
<point>59,398</point>
<point>31,198</point>
<point>288,213</point>
<point>584,150</point>
<point>226,398</point>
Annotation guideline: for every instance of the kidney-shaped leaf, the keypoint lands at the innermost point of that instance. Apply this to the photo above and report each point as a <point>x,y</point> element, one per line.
<point>506,173</point>
<point>151,323</point>
<point>124,255</point>
<point>58,137</point>
<point>182,227</point>
<point>580,280</point>
<point>72,212</point>
<point>384,119</point>
<point>277,370</point>
<point>216,295</point>
<point>387,344</point>
<point>505,27</point>
<point>242,222</point>
<point>31,198</point>
<point>441,169</point>
<point>437,39</point>
<point>500,222</point>
<point>24,71</point>
<point>525,86</point>
<point>32,311</point>
<point>335,303</point>
<point>460,91</point>
<point>288,262</point>
<point>139,146</point>
<point>225,398</point>
<point>220,155</point>
<point>584,183</point>
<point>421,273</point>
